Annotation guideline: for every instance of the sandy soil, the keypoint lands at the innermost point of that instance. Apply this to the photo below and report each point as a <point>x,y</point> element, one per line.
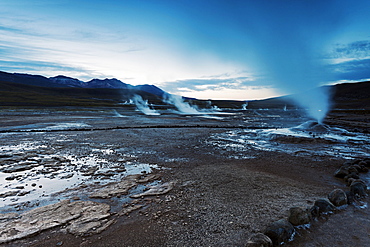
<point>220,197</point>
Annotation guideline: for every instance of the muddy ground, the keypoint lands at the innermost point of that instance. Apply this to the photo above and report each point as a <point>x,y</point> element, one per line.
<point>220,195</point>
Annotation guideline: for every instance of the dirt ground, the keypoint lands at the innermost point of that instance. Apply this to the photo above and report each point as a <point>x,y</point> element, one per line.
<point>218,199</point>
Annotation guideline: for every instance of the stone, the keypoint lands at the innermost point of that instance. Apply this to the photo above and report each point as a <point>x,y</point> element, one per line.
<point>351,175</point>
<point>365,162</point>
<point>352,180</point>
<point>324,206</point>
<point>259,240</point>
<point>156,190</point>
<point>341,172</point>
<point>299,216</point>
<point>364,169</point>
<point>280,231</point>
<point>354,169</point>
<point>338,197</point>
<point>350,197</point>
<point>358,189</point>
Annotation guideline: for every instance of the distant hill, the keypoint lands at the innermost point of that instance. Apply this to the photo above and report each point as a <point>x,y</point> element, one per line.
<point>343,96</point>
<point>352,95</point>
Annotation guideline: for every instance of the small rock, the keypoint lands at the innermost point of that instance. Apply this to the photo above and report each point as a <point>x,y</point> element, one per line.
<point>354,169</point>
<point>259,240</point>
<point>341,172</point>
<point>299,216</point>
<point>33,185</point>
<point>280,232</point>
<point>350,197</point>
<point>358,189</point>
<point>338,197</point>
<point>351,175</point>
<point>365,162</point>
<point>324,206</point>
<point>364,169</point>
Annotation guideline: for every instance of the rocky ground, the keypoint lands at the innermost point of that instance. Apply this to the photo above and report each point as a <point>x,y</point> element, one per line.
<point>187,191</point>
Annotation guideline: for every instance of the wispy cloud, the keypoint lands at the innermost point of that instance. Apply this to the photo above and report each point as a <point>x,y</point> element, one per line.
<point>354,50</point>
<point>209,84</point>
<point>241,87</point>
<point>350,61</point>
<point>352,70</point>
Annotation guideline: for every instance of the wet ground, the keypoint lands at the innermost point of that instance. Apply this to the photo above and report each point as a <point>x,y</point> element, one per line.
<point>233,171</point>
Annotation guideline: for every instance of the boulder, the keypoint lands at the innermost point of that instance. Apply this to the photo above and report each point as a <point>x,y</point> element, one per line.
<point>299,216</point>
<point>259,240</point>
<point>358,189</point>
<point>338,197</point>
<point>280,231</point>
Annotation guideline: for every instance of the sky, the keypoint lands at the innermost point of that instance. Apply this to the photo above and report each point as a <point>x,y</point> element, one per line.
<point>206,49</point>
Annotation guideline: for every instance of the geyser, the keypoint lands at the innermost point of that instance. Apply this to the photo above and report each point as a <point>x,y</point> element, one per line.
<point>180,104</point>
<point>143,106</point>
<point>288,39</point>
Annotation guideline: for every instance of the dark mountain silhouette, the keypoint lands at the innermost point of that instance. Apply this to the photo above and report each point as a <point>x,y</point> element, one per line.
<point>61,81</point>
<point>151,89</point>
<point>35,90</point>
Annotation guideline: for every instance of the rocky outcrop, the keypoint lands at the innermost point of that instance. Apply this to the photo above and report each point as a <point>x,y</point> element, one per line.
<point>79,217</point>
<point>116,189</point>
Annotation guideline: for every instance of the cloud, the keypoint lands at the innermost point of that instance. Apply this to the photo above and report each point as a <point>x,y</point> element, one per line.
<point>358,49</point>
<point>218,87</point>
<point>208,84</point>
<point>350,61</point>
<point>352,70</point>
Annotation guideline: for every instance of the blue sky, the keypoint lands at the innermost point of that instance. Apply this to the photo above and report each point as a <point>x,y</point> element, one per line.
<point>204,49</point>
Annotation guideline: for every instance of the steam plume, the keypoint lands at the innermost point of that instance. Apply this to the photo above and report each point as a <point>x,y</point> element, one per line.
<point>143,106</point>
<point>180,104</point>
<point>288,45</point>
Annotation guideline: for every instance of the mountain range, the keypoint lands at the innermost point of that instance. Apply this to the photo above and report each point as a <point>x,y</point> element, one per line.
<point>61,81</point>
<point>34,90</point>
